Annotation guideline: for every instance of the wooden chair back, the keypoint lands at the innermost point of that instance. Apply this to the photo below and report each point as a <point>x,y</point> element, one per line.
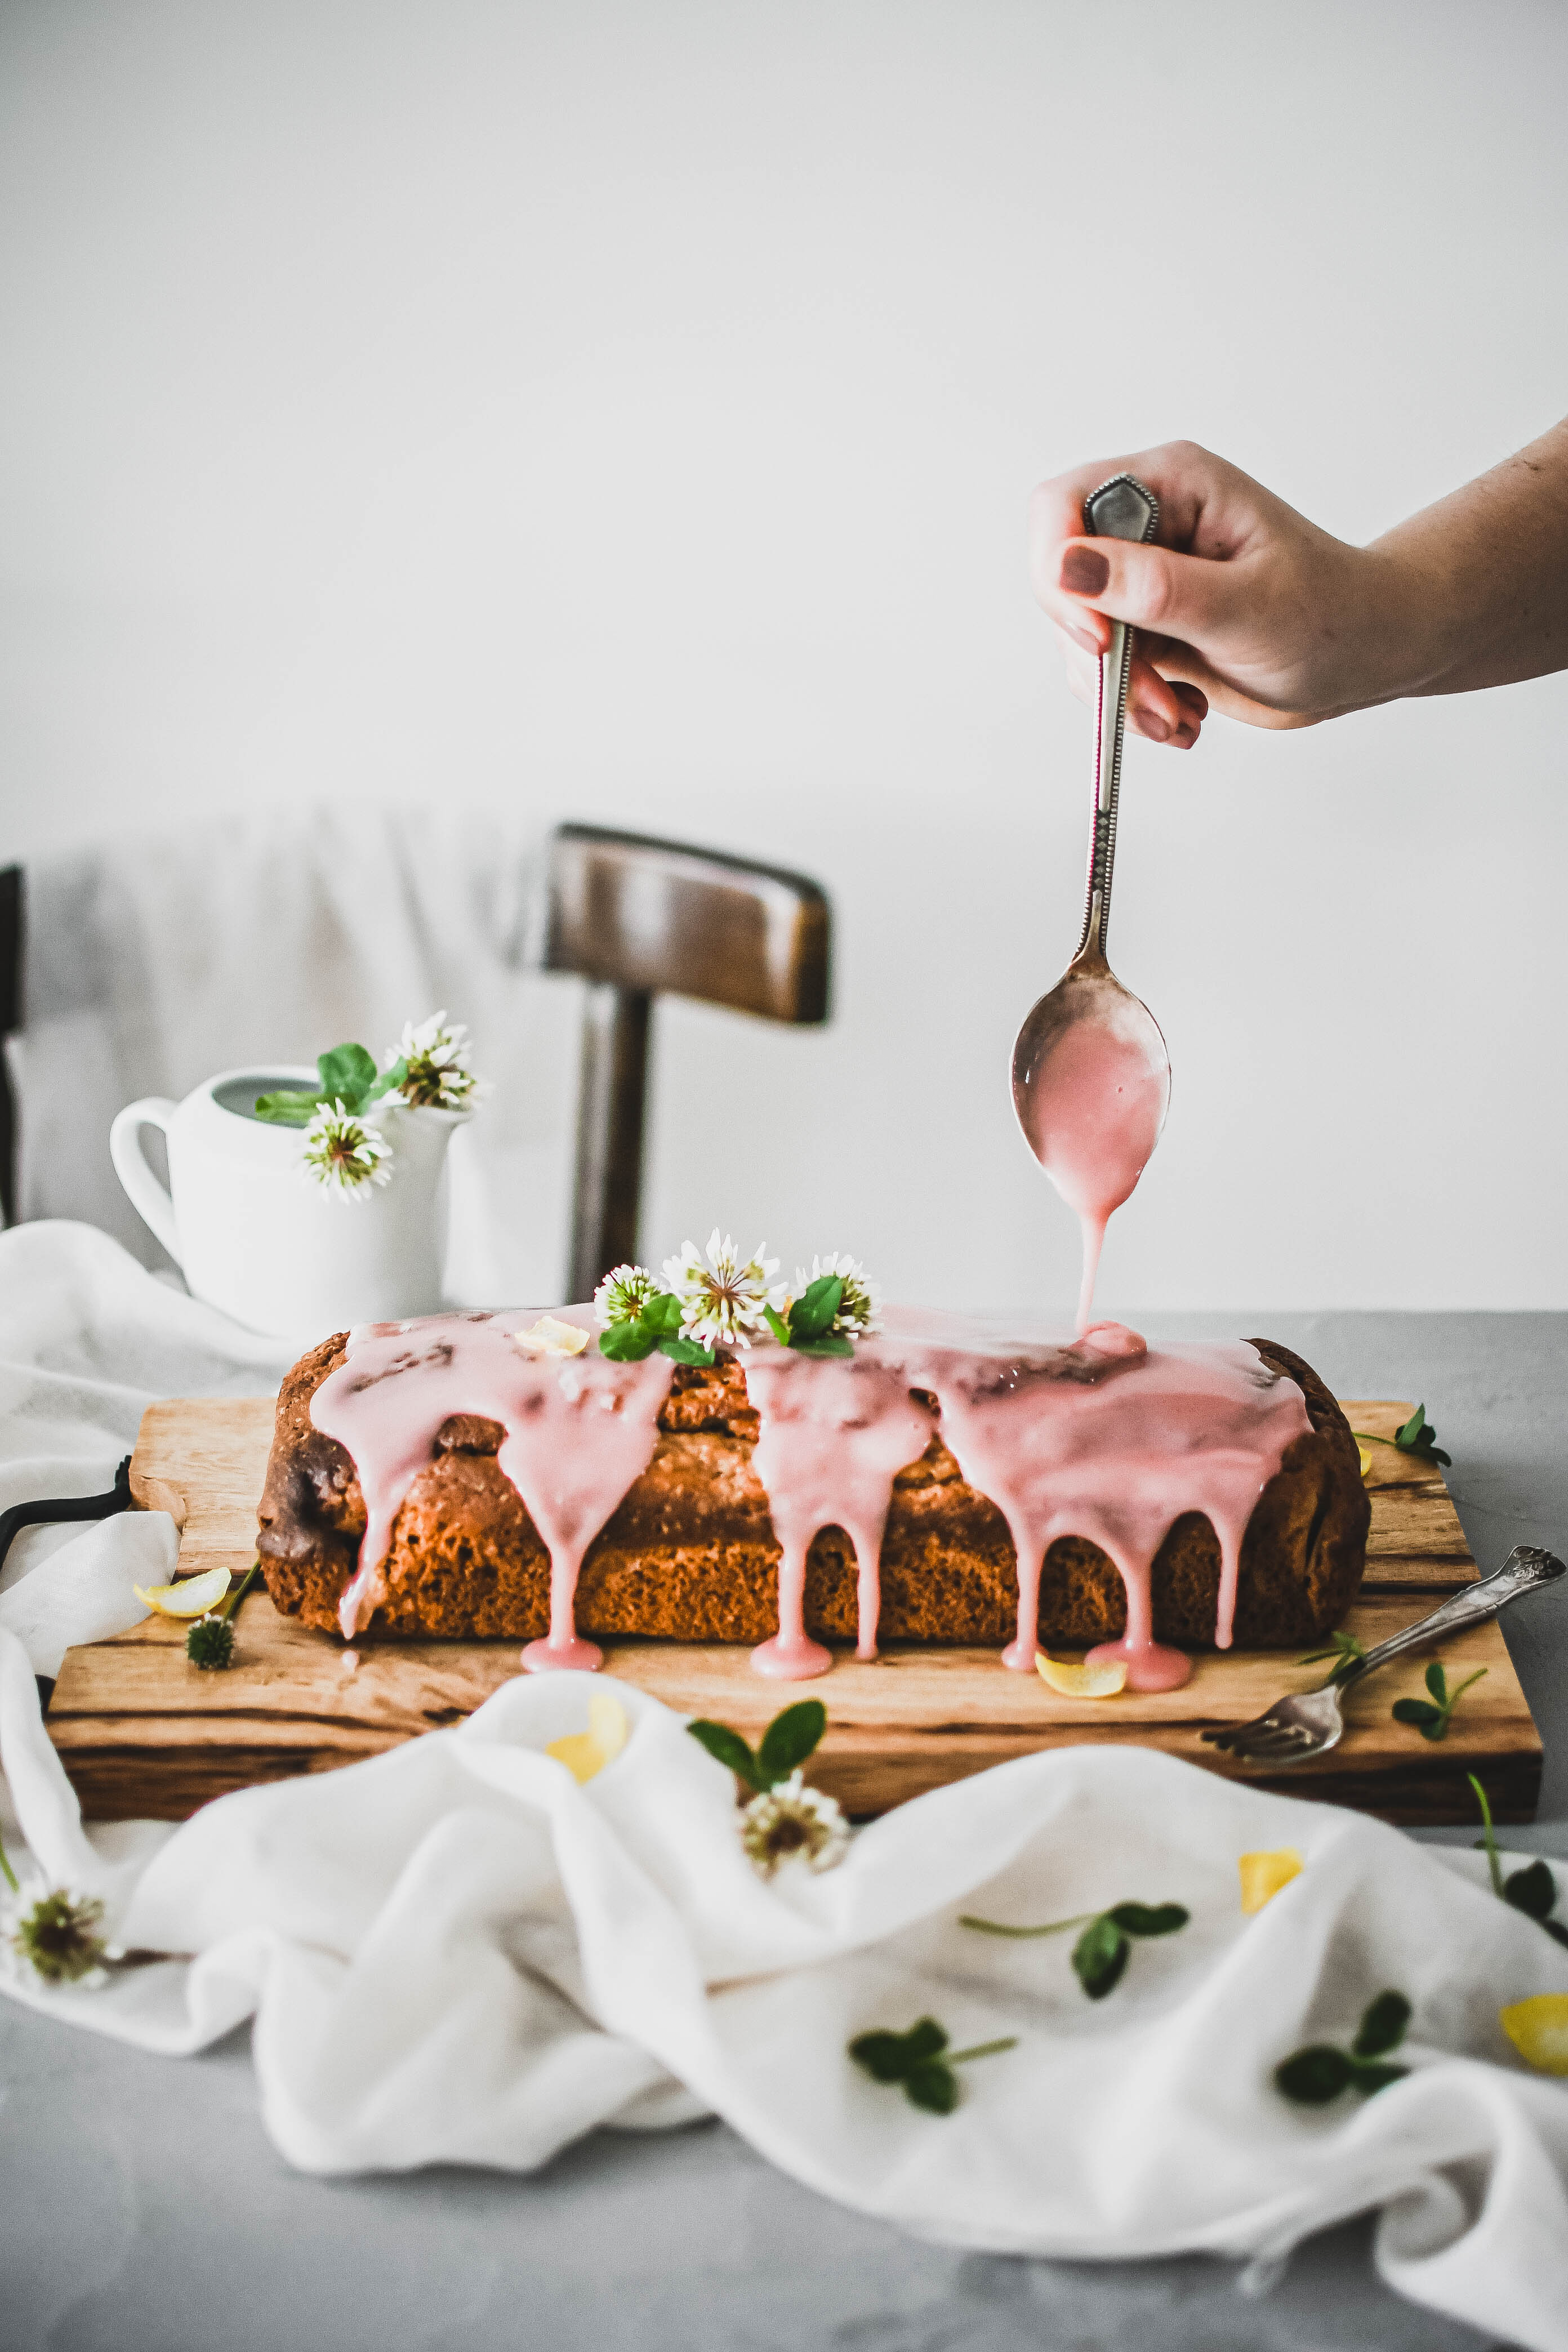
<point>639,919</point>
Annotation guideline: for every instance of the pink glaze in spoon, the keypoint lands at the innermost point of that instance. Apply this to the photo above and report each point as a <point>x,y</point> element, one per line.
<point>1091,1079</point>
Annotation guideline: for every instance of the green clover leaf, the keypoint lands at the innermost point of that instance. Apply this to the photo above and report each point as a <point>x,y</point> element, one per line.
<point>1432,1720</point>
<point>1314,2077</point>
<point>921,2061</point>
<point>790,1738</point>
<point>1100,1954</point>
<point>793,1735</point>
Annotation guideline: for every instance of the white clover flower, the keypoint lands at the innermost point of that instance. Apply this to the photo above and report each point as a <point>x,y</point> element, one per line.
<point>345,1154</point>
<point>792,1822</point>
<point>860,1307</point>
<point>623,1292</point>
<point>436,1056</point>
<point>56,1934</point>
<point>721,1298</point>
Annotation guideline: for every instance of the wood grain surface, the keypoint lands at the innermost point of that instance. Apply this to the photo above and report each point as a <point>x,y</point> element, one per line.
<point>142,1732</point>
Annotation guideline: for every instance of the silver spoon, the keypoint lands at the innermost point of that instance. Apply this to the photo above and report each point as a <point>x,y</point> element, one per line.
<point>1090,1034</point>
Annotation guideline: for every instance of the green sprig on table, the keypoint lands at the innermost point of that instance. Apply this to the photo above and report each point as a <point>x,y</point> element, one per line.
<point>789,1739</point>
<point>1347,1653</point>
<point>1431,1716</point>
<point>806,1322</point>
<point>921,2061</point>
<point>348,1074</point>
<point>1417,1436</point>
<point>655,1324</point>
<point>1533,1890</point>
<point>1314,2077</point>
<point>1100,1954</point>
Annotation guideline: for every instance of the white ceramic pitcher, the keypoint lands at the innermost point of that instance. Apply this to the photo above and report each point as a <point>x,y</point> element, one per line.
<point>253,1235</point>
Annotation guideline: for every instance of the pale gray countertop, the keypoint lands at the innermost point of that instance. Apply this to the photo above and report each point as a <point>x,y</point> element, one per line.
<point>142,2208</point>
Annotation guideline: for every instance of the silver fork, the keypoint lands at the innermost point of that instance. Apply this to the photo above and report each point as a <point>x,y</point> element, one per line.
<point>1296,1728</point>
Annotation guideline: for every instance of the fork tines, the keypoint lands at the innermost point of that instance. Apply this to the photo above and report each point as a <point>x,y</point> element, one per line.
<point>1260,1741</point>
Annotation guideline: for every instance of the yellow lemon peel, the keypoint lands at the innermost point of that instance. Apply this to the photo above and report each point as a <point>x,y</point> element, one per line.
<point>583,1753</point>
<point>1081,1681</point>
<point>551,1337</point>
<point>1538,2030</point>
<point>1263,1874</point>
<point>1365,1460</point>
<point>192,1597</point>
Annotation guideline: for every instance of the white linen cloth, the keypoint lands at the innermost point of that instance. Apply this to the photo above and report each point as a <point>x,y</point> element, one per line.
<point>455,1953</point>
<point>154,961</point>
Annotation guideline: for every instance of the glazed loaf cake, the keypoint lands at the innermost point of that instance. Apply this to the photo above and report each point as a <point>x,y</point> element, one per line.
<point>690,1553</point>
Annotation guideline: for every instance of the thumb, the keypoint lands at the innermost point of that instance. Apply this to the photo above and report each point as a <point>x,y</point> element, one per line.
<point>1186,596</point>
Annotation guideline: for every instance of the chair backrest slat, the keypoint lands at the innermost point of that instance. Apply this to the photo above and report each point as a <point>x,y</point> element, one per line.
<point>641,919</point>
<point>672,920</point>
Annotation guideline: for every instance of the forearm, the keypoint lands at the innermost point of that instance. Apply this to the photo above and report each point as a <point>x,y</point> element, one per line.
<point>1485,577</point>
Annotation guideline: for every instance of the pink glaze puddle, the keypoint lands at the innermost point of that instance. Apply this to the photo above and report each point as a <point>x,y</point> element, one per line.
<point>1102,1437</point>
<point>1092,1120</point>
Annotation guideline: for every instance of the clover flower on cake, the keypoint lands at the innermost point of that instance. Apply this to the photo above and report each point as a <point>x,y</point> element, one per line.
<point>792,1822</point>
<point>434,1056</point>
<point>722,1299</point>
<point>623,1292</point>
<point>344,1153</point>
<point>860,1309</point>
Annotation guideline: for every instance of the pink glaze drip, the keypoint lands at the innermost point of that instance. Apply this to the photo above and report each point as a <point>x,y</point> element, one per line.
<point>827,1453</point>
<point>1092,1117</point>
<point>1102,1437</point>
<point>580,1430</point>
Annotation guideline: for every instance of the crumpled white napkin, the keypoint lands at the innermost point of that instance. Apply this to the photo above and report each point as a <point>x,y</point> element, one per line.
<point>454,1953</point>
<point>88,1340</point>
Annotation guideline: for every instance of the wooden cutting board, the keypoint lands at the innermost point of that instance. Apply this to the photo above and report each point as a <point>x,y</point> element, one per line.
<point>142,1732</point>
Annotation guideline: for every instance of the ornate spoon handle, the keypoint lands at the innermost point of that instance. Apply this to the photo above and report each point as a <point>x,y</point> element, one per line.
<point>1525,1569</point>
<point>1121,509</point>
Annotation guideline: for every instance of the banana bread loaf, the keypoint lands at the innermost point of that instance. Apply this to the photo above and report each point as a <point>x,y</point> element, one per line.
<point>690,1550</point>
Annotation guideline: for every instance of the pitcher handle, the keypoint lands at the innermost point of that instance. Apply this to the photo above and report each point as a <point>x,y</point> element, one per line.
<point>150,1199</point>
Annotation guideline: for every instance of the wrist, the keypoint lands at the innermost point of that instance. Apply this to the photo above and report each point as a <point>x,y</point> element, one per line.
<point>1415,621</point>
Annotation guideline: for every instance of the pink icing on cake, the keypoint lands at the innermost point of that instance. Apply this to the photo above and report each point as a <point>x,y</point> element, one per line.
<point>1103,1437</point>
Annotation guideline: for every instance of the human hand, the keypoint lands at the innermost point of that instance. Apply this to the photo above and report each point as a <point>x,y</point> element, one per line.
<point>1241,605</point>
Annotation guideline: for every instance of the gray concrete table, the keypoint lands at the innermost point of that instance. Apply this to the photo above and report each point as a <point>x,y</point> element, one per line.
<point>142,2208</point>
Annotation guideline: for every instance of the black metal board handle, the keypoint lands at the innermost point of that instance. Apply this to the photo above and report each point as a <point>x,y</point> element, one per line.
<point>74,1507</point>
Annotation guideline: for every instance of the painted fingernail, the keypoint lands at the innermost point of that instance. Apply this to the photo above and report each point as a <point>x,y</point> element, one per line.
<point>1084,572</point>
<point>1150,723</point>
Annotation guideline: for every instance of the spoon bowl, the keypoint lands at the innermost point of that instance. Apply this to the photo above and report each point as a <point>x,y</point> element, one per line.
<point>1091,1085</point>
<point>1092,1077</point>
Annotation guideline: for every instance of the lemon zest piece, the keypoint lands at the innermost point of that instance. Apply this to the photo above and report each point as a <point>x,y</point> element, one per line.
<point>1365,1459</point>
<point>551,1337</point>
<point>1263,1874</point>
<point>1081,1681</point>
<point>584,1753</point>
<point>1538,2030</point>
<point>192,1597</point>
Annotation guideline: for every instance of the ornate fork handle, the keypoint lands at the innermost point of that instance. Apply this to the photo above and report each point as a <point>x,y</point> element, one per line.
<point>1525,1569</point>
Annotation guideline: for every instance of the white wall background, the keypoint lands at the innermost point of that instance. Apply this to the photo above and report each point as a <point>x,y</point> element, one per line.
<point>627,411</point>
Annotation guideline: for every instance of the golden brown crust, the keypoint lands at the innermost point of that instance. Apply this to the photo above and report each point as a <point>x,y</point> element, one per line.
<point>689,1554</point>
